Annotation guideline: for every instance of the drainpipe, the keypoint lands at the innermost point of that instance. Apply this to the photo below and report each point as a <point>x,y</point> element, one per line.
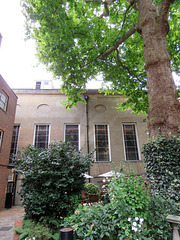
<point>86,98</point>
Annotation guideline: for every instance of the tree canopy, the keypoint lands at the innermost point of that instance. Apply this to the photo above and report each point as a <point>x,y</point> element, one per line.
<point>81,39</point>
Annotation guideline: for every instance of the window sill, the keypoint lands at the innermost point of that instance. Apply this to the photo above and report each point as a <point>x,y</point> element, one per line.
<point>102,161</point>
<point>129,161</point>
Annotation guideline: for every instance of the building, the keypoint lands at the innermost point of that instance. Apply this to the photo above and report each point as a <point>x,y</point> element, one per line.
<point>8,101</point>
<point>118,136</point>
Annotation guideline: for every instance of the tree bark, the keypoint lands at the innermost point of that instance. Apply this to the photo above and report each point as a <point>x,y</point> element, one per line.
<point>164,107</point>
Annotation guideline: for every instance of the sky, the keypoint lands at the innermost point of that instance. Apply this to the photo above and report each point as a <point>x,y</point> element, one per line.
<point>18,64</point>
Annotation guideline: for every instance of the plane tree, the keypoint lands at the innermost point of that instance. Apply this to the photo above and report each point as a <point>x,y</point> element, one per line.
<point>133,45</point>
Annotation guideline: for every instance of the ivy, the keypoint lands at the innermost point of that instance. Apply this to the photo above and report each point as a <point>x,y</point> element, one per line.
<point>162,160</point>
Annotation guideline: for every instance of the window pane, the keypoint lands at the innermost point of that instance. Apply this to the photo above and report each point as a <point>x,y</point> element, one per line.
<point>3,101</point>
<point>14,143</point>
<point>41,136</point>
<point>130,142</point>
<point>1,135</point>
<point>102,144</point>
<point>72,135</point>
<point>38,85</point>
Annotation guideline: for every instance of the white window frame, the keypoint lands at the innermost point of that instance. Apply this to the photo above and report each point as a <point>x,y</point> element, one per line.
<point>5,103</point>
<point>11,176</point>
<point>41,124</point>
<point>137,141</point>
<point>109,145</point>
<point>75,124</point>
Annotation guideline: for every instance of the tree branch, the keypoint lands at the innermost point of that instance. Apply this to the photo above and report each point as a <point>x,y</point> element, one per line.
<point>120,41</point>
<point>164,7</point>
<point>90,61</point>
<point>121,64</point>
<point>89,39</point>
<point>130,5</point>
<point>113,48</point>
<point>106,12</point>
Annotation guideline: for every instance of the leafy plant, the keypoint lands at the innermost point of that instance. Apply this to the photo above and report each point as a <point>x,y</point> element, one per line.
<point>131,214</point>
<point>161,157</point>
<point>91,188</point>
<point>128,191</point>
<point>52,180</point>
<point>156,222</point>
<point>128,198</point>
<point>32,230</point>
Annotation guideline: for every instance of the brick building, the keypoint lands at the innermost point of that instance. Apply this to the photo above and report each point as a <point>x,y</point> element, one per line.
<point>8,101</point>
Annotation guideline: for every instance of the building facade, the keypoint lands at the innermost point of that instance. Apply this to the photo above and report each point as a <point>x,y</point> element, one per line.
<point>116,136</point>
<point>8,101</point>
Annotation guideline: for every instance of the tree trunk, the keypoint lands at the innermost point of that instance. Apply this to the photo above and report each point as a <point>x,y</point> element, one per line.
<point>164,107</point>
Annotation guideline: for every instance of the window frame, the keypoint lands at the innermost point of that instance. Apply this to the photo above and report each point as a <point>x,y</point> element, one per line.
<point>16,141</point>
<point>75,124</point>
<point>41,124</point>
<point>108,137</point>
<point>4,103</point>
<point>137,142</point>
<point>38,85</point>
<point>1,138</point>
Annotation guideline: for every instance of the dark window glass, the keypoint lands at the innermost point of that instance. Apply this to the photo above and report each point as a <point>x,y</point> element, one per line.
<point>41,136</point>
<point>72,135</point>
<point>14,143</point>
<point>1,136</point>
<point>102,144</point>
<point>38,85</point>
<point>130,141</point>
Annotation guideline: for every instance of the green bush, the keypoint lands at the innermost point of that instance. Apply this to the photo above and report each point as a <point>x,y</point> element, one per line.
<point>156,223</point>
<point>91,188</point>
<point>52,180</point>
<point>32,230</point>
<point>129,193</point>
<point>128,200</point>
<point>131,214</point>
<point>162,160</point>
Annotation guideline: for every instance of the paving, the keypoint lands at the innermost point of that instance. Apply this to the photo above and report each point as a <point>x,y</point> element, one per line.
<point>7,220</point>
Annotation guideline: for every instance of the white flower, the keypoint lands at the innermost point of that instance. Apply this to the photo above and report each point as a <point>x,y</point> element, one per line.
<point>136,218</point>
<point>134,229</point>
<point>134,224</point>
<point>141,220</point>
<point>129,219</point>
<point>139,225</point>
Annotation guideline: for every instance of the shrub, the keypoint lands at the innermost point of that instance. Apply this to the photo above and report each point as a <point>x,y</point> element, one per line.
<point>128,192</point>
<point>91,188</point>
<point>128,200</point>
<point>52,178</point>
<point>32,230</point>
<point>161,157</point>
<point>131,214</point>
<point>157,225</point>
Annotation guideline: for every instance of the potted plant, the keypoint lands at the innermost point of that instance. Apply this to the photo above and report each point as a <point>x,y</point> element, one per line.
<point>93,191</point>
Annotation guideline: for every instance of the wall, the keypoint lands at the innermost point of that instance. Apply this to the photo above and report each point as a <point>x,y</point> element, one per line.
<point>6,125</point>
<point>45,106</point>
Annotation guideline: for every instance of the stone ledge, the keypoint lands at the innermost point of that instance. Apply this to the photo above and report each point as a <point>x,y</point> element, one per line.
<point>173,219</point>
